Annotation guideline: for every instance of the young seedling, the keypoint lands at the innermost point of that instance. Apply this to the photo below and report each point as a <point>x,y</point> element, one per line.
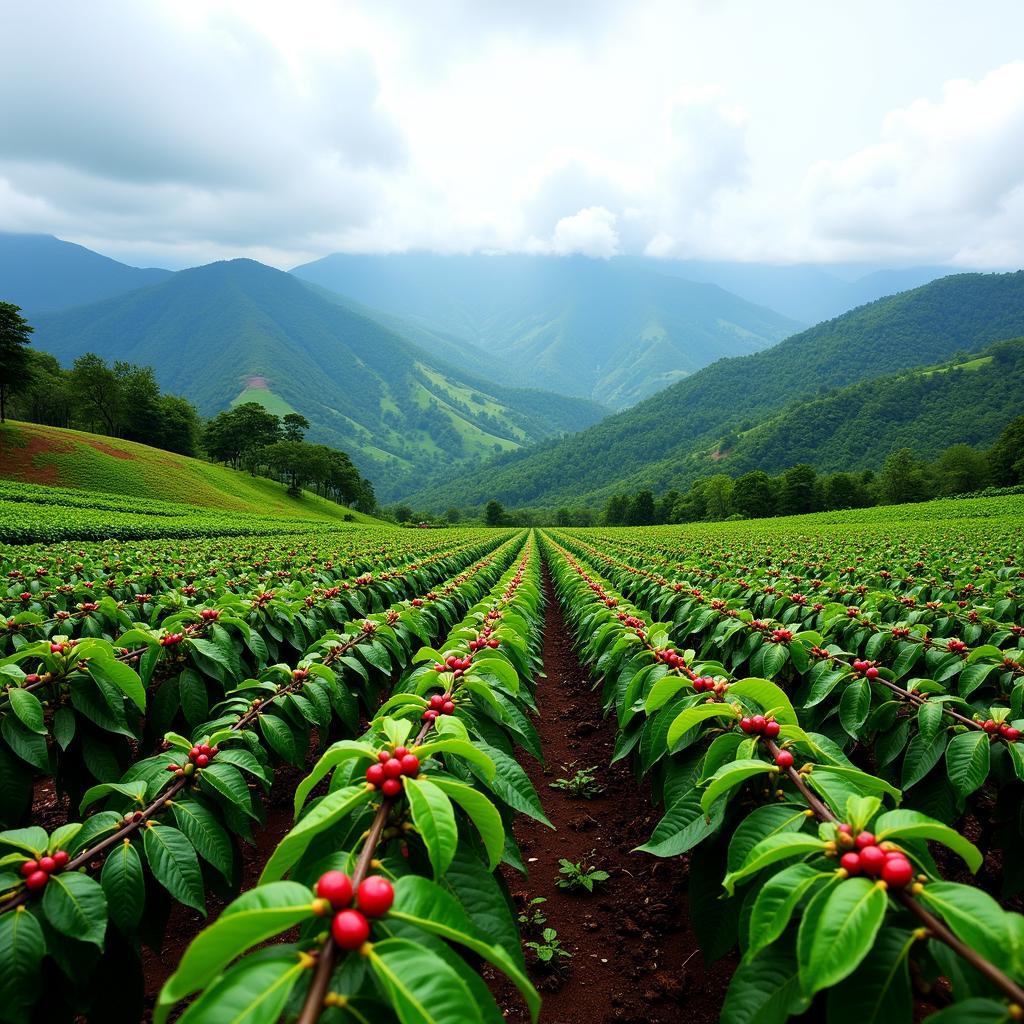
<point>577,876</point>
<point>531,915</point>
<point>550,947</point>
<point>583,782</point>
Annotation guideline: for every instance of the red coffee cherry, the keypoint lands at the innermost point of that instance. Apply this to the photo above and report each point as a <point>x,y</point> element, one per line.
<point>37,880</point>
<point>383,756</point>
<point>772,729</point>
<point>30,867</point>
<point>336,888</point>
<point>375,896</point>
<point>47,864</point>
<point>850,861</point>
<point>391,787</point>
<point>865,839</point>
<point>897,871</point>
<point>392,768</point>
<point>375,774</point>
<point>448,708</point>
<point>757,723</point>
<point>784,759</point>
<point>400,752</point>
<point>60,858</point>
<point>872,860</point>
<point>350,929</point>
<point>746,725</point>
<point>410,765</point>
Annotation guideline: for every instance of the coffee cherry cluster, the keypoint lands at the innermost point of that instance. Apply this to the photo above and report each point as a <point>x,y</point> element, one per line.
<point>373,898</point>
<point>670,657</point>
<point>868,670</point>
<point>955,646</point>
<point>390,767</point>
<point>198,757</point>
<point>170,639</point>
<point>37,872</point>
<point>454,665</point>
<point>758,725</point>
<point>439,704</point>
<point>1003,729</point>
<point>782,636</point>
<point>484,641</point>
<point>706,684</point>
<point>887,863</point>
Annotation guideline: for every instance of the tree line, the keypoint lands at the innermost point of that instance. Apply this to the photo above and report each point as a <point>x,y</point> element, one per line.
<point>251,438</point>
<point>905,477</point>
<point>124,400</point>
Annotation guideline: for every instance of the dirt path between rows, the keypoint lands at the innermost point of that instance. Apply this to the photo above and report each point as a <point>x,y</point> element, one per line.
<point>634,957</point>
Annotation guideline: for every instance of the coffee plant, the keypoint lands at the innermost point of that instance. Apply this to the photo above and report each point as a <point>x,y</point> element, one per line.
<point>815,740</point>
<point>830,721</point>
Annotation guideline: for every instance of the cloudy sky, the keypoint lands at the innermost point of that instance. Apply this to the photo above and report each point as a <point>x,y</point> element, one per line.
<point>178,132</point>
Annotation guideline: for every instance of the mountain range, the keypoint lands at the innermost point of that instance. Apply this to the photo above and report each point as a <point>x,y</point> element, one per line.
<point>411,362</point>
<point>241,331</point>
<point>41,273</point>
<point>688,429</point>
<point>615,331</point>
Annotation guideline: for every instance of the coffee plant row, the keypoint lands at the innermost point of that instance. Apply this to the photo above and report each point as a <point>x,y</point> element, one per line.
<point>819,717</point>
<point>32,513</point>
<point>162,704</point>
<point>383,896</point>
<point>110,655</point>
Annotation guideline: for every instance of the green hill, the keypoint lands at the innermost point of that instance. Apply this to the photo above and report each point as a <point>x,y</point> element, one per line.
<point>655,443</point>
<point>36,454</point>
<point>612,330</point>
<point>217,332</point>
<point>967,401</point>
<point>41,273</point>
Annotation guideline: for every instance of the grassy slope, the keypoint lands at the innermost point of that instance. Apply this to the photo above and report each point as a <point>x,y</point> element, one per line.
<point>73,458</point>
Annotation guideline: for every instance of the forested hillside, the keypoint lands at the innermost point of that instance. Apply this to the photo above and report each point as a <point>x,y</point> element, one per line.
<point>612,330</point>
<point>654,443</point>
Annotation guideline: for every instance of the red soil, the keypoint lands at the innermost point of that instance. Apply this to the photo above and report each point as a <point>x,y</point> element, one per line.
<point>634,956</point>
<point>18,461</point>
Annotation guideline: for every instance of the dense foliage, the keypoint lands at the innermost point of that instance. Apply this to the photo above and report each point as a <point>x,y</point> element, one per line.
<point>904,477</point>
<point>819,710</point>
<point>250,651</point>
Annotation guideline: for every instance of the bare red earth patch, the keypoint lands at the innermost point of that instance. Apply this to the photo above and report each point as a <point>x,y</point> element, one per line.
<point>107,449</point>
<point>18,461</point>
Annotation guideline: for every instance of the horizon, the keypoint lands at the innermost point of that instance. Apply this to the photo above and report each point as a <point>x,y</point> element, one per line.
<point>858,269</point>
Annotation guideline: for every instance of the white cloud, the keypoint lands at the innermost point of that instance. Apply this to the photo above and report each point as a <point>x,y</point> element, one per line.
<point>591,232</point>
<point>945,172</point>
<point>185,130</point>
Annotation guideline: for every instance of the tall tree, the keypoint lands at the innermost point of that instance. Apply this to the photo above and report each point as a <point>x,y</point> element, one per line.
<point>961,469</point>
<point>295,426</point>
<point>14,353</point>
<point>494,513</point>
<point>904,478</point>
<point>753,495</point>
<point>797,496</point>
<point>98,389</point>
<point>641,509</point>
<point>1006,456</point>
